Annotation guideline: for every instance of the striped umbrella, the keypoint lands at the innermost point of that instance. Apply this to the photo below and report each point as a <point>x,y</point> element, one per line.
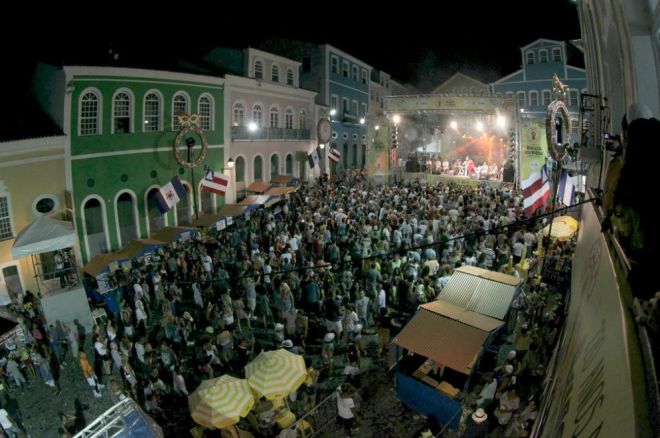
<point>275,374</point>
<point>219,402</point>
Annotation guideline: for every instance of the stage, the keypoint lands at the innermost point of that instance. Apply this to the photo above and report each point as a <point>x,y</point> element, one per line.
<point>446,179</point>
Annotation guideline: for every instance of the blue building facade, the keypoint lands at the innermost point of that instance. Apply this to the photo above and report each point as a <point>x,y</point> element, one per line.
<point>342,84</point>
<point>531,86</point>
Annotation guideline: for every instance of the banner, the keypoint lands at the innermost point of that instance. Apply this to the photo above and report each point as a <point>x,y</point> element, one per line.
<point>592,392</point>
<point>378,156</point>
<point>447,103</point>
<point>533,147</point>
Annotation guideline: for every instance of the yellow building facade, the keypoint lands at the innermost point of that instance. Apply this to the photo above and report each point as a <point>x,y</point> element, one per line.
<point>32,184</point>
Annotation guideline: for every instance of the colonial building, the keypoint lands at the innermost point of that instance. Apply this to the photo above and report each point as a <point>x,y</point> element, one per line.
<point>531,86</point>
<point>121,125</point>
<point>462,85</point>
<point>272,118</point>
<point>342,84</point>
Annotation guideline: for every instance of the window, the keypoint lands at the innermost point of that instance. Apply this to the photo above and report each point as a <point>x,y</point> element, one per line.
<point>289,77</point>
<point>5,219</point>
<point>258,168</point>
<point>575,127</point>
<point>543,56</point>
<point>354,107</point>
<point>239,114</point>
<point>258,115</point>
<point>355,73</point>
<point>288,119</point>
<point>90,109</point>
<point>205,108</point>
<point>333,102</point>
<point>364,76</point>
<point>302,122</point>
<point>521,99</point>
<point>180,105</point>
<point>344,105</point>
<point>275,73</point>
<point>363,113</point>
<point>258,70</point>
<point>530,58</point>
<point>533,98</point>
<point>274,165</point>
<point>509,95</point>
<point>546,97</point>
<point>573,98</point>
<point>151,112</point>
<point>556,54</point>
<point>44,204</point>
<point>121,113</point>
<point>274,118</point>
<point>473,91</point>
<point>344,69</point>
<point>334,65</point>
<point>240,169</point>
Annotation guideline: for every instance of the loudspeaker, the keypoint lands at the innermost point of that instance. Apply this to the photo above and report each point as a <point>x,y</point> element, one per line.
<point>508,174</point>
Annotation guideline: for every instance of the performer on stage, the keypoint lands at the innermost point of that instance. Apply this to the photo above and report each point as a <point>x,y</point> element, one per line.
<point>470,167</point>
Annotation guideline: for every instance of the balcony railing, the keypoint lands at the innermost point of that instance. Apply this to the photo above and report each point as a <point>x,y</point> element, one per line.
<point>243,133</point>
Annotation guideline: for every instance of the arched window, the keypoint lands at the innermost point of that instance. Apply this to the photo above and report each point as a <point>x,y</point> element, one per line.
<point>288,118</point>
<point>258,70</point>
<point>239,114</point>
<point>556,54</point>
<point>275,73</point>
<point>258,115</point>
<point>126,209</point>
<point>240,169</point>
<point>94,227</point>
<point>355,155</point>
<point>530,58</point>
<point>90,113</point>
<point>180,105</point>
<point>205,108</point>
<point>543,56</point>
<point>573,98</point>
<point>289,76</point>
<point>521,99</point>
<point>258,168</point>
<point>303,120</point>
<point>533,98</point>
<point>473,91</point>
<point>152,111</point>
<point>546,97</point>
<point>274,118</point>
<point>156,219</point>
<point>289,164</point>
<point>184,208</point>
<point>122,112</point>
<point>274,165</point>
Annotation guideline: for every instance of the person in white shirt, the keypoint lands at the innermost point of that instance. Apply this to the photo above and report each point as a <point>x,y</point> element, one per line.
<point>345,408</point>
<point>7,424</point>
<point>382,299</point>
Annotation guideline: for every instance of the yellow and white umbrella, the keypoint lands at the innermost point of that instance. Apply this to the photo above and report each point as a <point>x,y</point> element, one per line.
<point>219,402</point>
<point>275,374</point>
<point>563,228</point>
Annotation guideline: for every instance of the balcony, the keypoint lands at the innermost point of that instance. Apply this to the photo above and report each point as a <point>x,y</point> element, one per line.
<point>241,133</point>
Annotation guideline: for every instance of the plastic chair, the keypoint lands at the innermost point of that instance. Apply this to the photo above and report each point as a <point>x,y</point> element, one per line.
<point>305,428</point>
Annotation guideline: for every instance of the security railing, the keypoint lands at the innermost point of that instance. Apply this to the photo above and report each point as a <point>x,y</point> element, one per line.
<point>285,134</point>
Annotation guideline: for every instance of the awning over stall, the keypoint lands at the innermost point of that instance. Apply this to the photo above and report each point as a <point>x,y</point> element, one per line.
<point>448,342</point>
<point>170,234</point>
<point>139,247</point>
<point>258,187</point>
<point>101,263</point>
<point>258,200</point>
<point>43,235</point>
<point>282,179</point>
<point>232,210</point>
<point>280,191</point>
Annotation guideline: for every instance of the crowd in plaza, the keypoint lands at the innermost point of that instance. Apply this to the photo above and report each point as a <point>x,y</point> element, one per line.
<point>330,273</point>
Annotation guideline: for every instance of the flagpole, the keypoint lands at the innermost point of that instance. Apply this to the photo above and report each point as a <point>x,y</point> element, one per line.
<point>190,142</point>
<point>555,186</point>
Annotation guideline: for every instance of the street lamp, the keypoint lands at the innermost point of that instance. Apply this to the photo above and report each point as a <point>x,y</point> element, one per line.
<point>190,143</point>
<point>230,163</point>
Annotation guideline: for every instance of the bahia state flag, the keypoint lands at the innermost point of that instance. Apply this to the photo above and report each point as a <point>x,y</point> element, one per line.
<point>168,195</point>
<point>334,155</point>
<point>215,182</point>
<point>313,158</point>
<point>566,192</point>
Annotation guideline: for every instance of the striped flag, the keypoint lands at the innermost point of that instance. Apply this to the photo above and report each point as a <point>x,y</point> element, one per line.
<point>566,192</point>
<point>536,191</point>
<point>334,155</point>
<point>167,196</point>
<point>215,182</point>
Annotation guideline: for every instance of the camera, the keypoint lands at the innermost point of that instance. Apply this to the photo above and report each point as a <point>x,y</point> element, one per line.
<point>612,141</point>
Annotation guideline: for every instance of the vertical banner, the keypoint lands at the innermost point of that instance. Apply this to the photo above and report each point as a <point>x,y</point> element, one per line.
<point>378,157</point>
<point>533,147</point>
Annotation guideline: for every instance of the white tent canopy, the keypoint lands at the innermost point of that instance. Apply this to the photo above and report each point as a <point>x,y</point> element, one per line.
<point>43,235</point>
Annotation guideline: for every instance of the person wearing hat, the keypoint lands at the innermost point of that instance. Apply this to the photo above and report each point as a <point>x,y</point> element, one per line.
<point>477,425</point>
<point>328,350</point>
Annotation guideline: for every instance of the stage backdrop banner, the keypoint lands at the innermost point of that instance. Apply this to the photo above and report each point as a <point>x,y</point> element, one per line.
<point>378,157</point>
<point>592,391</point>
<point>447,103</point>
<point>533,147</point>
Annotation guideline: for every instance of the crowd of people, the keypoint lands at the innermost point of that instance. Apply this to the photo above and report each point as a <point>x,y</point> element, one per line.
<point>314,275</point>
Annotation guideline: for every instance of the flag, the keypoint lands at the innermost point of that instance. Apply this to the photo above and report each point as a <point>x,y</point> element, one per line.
<point>215,182</point>
<point>313,157</point>
<point>536,191</point>
<point>566,192</point>
<point>335,155</point>
<point>168,195</point>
